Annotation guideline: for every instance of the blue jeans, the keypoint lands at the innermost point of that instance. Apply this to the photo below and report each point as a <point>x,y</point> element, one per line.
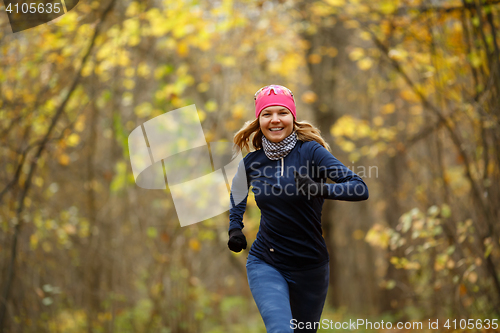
<point>286,299</point>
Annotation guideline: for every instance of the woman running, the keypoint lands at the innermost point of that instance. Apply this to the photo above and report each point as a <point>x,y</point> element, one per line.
<point>287,266</point>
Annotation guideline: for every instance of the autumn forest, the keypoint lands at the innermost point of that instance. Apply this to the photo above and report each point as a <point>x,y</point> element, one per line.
<point>406,92</point>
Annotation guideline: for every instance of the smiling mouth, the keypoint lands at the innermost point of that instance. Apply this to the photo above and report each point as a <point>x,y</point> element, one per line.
<point>276,129</point>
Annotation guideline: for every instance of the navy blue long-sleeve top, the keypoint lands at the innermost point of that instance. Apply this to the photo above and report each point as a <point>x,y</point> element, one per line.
<point>290,234</point>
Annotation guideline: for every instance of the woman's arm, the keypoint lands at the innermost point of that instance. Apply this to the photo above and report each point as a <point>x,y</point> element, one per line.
<point>238,197</point>
<point>348,185</point>
<point>236,213</point>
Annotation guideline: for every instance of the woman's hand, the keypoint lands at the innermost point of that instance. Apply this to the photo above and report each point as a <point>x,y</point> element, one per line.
<point>308,187</point>
<point>237,240</point>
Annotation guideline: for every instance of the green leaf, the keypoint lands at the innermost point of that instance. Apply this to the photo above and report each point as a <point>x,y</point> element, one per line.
<point>47,301</point>
<point>433,211</point>
<point>489,248</point>
<point>406,219</point>
<point>152,232</point>
<point>475,21</point>
<point>47,288</point>
<point>445,211</point>
<point>390,284</point>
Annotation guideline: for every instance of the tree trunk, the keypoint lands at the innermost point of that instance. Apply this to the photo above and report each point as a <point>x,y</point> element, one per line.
<point>352,271</point>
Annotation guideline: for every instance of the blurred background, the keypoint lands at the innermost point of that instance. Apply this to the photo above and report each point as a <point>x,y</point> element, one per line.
<point>405,91</point>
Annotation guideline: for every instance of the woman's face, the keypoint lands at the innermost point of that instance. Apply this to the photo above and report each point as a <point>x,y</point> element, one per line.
<point>276,123</point>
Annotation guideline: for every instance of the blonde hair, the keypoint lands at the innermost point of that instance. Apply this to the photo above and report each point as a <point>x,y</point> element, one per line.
<point>250,132</point>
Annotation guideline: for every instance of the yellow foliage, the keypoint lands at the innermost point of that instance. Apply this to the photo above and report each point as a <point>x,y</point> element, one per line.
<point>343,126</point>
<point>159,72</point>
<point>398,55</point>
<point>159,26</point>
<point>351,24</point>
<point>143,110</point>
<point>378,121</point>
<point>378,235</point>
<point>132,9</point>
<point>130,71</point>
<point>143,70</point>
<point>203,87</point>
<point>388,133</point>
<point>388,108</point>
<point>88,69</point>
<point>238,111</point>
<point>38,181</point>
<point>85,30</point>
<point>347,146</point>
<point>177,102</point>
<point>73,140</point>
<point>202,115</point>
<point>365,64</point>
<point>68,22</point>
<point>131,26</point>
<point>322,9</point>
<point>332,52</point>
<point>182,49</point>
<point>356,54</point>
<point>475,60</point>
<point>182,70</point>
<point>381,146</point>
<point>129,84</point>
<point>358,234</point>
<point>314,58</point>
<point>211,106</point>
<point>123,58</point>
<point>309,97</point>
<point>228,61</point>
<point>64,159</point>
<point>416,110</point>
<point>409,95</point>
<point>336,3</point>
<point>8,93</point>
<point>194,244</point>
<point>34,241</point>
<point>364,35</point>
<point>387,7</point>
<point>304,44</point>
<point>69,229</point>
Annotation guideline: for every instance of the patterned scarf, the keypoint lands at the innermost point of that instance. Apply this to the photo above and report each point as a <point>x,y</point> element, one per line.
<point>275,151</point>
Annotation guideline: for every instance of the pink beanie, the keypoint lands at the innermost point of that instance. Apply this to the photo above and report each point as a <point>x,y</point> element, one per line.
<point>274,95</point>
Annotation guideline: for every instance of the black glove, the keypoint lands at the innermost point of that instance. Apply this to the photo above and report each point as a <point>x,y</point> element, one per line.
<point>308,187</point>
<point>237,240</point>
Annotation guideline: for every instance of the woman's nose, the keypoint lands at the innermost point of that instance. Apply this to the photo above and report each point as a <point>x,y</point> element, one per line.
<point>275,118</point>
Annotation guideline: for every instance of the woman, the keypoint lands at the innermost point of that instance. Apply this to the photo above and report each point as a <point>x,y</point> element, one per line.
<point>287,265</point>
